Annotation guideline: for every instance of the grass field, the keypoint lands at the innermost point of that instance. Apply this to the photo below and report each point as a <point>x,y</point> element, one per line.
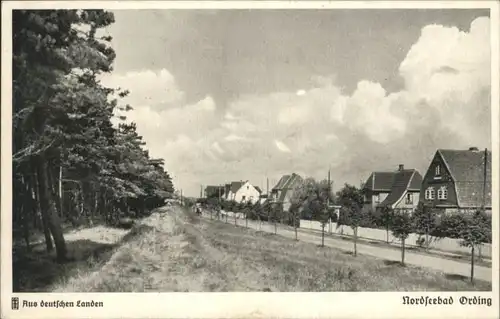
<point>173,251</point>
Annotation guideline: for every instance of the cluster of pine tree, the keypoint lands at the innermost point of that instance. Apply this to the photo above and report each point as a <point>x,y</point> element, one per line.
<point>71,165</point>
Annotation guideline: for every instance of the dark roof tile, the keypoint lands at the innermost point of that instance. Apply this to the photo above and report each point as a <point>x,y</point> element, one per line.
<point>235,186</point>
<point>380,181</point>
<point>281,182</point>
<point>286,185</point>
<point>467,169</point>
<point>403,181</point>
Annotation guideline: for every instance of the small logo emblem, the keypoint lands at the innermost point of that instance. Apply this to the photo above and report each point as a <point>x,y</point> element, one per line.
<point>15,303</point>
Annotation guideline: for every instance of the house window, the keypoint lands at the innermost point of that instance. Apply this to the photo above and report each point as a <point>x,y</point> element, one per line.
<point>377,198</point>
<point>409,198</point>
<point>442,193</point>
<point>438,170</point>
<point>243,198</point>
<point>430,193</point>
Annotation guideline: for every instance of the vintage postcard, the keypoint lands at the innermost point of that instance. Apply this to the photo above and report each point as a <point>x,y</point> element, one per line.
<point>291,159</point>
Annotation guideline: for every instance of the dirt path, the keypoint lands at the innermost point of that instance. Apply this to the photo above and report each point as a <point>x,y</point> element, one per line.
<point>447,266</point>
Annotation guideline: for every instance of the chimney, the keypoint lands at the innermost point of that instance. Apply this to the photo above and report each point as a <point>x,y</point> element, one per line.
<point>401,167</point>
<point>473,149</point>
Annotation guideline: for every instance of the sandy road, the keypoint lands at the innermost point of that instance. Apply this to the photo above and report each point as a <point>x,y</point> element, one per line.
<point>441,264</point>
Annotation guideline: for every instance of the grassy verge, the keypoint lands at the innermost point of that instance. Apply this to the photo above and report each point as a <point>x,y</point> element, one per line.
<point>179,252</point>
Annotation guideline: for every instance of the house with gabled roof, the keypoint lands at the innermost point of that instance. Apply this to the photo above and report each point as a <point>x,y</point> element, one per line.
<point>458,179</point>
<point>397,189</point>
<point>283,191</point>
<point>241,191</point>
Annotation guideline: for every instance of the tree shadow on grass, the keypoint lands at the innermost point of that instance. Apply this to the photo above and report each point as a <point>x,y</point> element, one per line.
<point>37,271</point>
<point>393,263</point>
<point>456,277</point>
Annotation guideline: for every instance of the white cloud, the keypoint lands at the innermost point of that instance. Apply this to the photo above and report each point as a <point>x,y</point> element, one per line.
<point>217,147</point>
<point>232,137</point>
<point>282,146</point>
<point>147,87</point>
<point>445,103</point>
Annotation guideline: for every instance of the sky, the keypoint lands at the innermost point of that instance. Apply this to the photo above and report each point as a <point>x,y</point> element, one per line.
<point>253,94</point>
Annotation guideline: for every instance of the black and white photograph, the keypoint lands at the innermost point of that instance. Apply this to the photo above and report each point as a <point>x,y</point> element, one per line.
<point>210,149</point>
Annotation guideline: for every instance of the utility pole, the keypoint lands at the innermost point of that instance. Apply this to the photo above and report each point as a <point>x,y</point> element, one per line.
<point>201,191</point>
<point>269,201</point>
<point>267,185</point>
<point>484,178</point>
<point>219,208</point>
<point>485,175</point>
<point>328,203</point>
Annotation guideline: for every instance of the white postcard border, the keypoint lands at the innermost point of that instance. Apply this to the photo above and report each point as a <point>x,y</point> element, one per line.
<point>241,305</point>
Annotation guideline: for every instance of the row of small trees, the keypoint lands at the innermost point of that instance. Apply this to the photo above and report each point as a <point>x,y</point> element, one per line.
<point>71,165</point>
<point>314,200</point>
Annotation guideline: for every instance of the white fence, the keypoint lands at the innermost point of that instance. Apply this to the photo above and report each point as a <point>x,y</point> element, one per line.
<point>444,244</point>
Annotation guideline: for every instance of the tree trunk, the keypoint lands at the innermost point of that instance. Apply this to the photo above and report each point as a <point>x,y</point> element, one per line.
<point>49,211</point>
<point>30,207</point>
<point>295,225</point>
<point>38,204</point>
<point>24,212</point>
<point>52,186</point>
<point>60,191</point>
<point>322,234</point>
<point>355,241</point>
<point>101,206</point>
<point>246,220</point>
<point>387,233</point>
<point>427,244</point>
<point>93,206</point>
<point>472,265</point>
<point>403,252</point>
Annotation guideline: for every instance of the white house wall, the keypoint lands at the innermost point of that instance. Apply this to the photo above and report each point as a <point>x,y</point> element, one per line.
<point>248,191</point>
<point>402,202</point>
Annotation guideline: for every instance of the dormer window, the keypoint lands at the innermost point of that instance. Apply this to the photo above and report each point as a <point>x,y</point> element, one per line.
<point>442,193</point>
<point>430,193</point>
<point>438,170</point>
